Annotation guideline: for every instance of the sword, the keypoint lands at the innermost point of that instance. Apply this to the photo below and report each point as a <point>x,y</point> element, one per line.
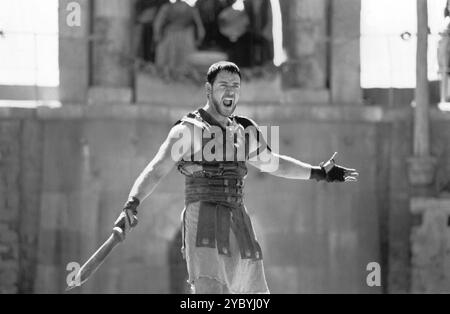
<point>94,262</point>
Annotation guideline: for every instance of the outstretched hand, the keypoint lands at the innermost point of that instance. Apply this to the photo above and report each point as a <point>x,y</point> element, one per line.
<point>338,173</point>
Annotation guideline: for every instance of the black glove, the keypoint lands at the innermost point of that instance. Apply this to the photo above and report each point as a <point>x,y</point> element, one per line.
<point>330,172</point>
<point>128,217</point>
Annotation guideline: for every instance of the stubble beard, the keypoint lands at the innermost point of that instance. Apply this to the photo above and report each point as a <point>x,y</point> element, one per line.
<point>218,108</point>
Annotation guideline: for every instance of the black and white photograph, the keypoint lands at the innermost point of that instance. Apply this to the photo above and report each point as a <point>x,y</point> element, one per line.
<point>246,148</point>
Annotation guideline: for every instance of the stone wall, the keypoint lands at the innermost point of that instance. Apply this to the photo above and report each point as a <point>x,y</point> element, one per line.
<point>430,246</point>
<point>66,173</point>
<point>429,238</point>
<point>9,204</point>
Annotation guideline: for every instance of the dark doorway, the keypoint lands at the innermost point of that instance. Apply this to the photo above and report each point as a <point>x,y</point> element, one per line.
<point>177,267</point>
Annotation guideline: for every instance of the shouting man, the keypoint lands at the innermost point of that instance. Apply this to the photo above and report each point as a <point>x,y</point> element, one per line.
<point>211,147</point>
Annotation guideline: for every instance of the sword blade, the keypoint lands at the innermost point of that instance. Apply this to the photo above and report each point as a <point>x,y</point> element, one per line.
<point>94,262</point>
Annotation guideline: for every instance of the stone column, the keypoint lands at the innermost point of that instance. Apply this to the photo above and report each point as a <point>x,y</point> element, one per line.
<point>429,258</point>
<point>421,112</point>
<point>345,81</point>
<point>73,50</point>
<point>9,205</point>
<point>422,164</point>
<point>112,60</point>
<point>430,246</point>
<point>305,41</point>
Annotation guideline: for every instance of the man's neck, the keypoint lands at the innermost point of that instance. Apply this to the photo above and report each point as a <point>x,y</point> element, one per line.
<point>224,121</point>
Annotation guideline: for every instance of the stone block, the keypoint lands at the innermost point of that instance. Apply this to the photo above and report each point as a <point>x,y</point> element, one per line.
<point>9,277</point>
<point>258,90</point>
<point>16,113</point>
<point>153,90</point>
<point>148,137</point>
<point>10,180</point>
<point>306,96</point>
<point>99,95</point>
<point>3,247</point>
<point>263,207</point>
<point>53,207</point>
<point>9,290</point>
<point>421,170</point>
<point>74,54</point>
<point>114,167</point>
<point>282,279</point>
<point>429,246</point>
<point>113,110</point>
<point>138,278</point>
<point>49,247</point>
<point>68,112</point>
<point>107,279</point>
<point>9,203</point>
<point>73,84</point>
<point>49,279</point>
<point>113,9</point>
<point>8,235</point>
<point>61,156</point>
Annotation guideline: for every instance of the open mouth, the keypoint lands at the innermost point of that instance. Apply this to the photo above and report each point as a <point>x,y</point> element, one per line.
<point>228,102</point>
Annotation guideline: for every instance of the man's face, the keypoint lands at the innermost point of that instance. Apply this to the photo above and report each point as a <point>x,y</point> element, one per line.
<point>224,93</point>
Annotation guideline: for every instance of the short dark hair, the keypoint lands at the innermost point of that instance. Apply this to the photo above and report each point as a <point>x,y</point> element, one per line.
<point>221,66</point>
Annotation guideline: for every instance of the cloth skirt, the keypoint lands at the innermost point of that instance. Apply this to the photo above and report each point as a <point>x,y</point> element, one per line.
<point>242,276</point>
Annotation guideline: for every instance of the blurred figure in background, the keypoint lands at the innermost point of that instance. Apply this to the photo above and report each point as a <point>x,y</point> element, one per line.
<point>178,30</point>
<point>260,15</point>
<point>234,24</point>
<point>144,45</point>
<point>248,27</point>
<point>209,13</point>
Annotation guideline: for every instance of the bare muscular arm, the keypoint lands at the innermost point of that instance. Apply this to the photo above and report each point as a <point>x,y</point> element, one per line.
<point>291,168</point>
<point>175,146</point>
